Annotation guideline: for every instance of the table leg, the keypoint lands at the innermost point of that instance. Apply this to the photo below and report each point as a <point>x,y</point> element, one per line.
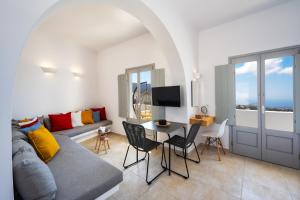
<point>169,156</point>
<point>156,137</point>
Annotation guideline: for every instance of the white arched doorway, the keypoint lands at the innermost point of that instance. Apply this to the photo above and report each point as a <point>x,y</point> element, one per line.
<point>20,18</point>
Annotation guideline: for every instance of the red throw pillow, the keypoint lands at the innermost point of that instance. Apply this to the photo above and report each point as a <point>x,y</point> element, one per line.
<point>60,122</point>
<point>102,113</point>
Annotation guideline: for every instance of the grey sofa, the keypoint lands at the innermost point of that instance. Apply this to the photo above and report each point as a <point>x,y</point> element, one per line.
<point>78,173</point>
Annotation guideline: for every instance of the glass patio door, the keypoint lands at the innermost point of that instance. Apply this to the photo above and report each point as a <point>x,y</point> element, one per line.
<point>247,129</point>
<point>279,140</point>
<point>265,107</point>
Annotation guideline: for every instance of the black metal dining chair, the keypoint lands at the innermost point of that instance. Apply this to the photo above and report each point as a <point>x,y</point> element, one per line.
<point>136,136</point>
<point>184,143</point>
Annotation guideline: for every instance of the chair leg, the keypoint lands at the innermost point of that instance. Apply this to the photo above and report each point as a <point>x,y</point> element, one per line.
<point>148,161</point>
<point>205,145</point>
<point>126,166</point>
<point>218,151</point>
<point>97,140</point>
<point>220,142</point>
<point>197,153</point>
<point>170,170</point>
<point>208,142</point>
<point>182,156</point>
<point>187,169</point>
<point>99,145</point>
<point>104,146</point>
<point>163,157</point>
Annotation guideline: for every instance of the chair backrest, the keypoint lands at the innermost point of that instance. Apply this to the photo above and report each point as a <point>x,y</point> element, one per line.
<point>135,134</point>
<point>222,128</point>
<point>192,134</point>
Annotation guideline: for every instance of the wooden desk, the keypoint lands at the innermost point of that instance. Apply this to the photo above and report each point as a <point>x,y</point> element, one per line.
<point>204,121</point>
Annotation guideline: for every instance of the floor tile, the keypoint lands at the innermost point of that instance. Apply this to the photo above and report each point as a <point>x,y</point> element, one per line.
<point>234,177</point>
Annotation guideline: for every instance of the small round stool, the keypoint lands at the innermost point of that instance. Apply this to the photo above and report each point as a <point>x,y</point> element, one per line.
<point>102,139</point>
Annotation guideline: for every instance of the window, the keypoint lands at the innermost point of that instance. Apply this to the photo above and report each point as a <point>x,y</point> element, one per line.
<point>140,98</point>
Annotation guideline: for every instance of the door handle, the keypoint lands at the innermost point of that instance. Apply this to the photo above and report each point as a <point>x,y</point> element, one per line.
<point>262,109</point>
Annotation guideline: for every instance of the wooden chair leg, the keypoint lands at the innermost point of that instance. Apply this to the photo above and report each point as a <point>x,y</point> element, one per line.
<point>218,150</point>
<point>208,143</point>
<point>205,146</point>
<point>99,145</point>
<point>96,142</point>
<point>104,147</point>
<point>220,142</point>
<point>108,144</point>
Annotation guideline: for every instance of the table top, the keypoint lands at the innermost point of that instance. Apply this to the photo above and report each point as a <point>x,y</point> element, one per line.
<point>167,129</point>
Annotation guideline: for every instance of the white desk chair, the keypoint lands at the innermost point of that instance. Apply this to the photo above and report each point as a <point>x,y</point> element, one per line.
<point>215,137</point>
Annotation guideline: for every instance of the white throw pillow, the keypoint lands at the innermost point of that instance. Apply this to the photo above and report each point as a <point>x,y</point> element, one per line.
<point>76,119</point>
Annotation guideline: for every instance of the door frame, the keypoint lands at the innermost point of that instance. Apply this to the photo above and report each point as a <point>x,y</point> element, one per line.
<point>264,133</point>
<point>138,70</point>
<point>254,147</point>
<point>290,156</point>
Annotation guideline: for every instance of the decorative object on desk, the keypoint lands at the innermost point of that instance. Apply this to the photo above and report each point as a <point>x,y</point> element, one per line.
<point>162,122</point>
<point>198,116</point>
<point>166,124</point>
<point>204,110</point>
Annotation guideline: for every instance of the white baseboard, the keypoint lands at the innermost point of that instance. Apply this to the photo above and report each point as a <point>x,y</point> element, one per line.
<point>88,135</point>
<point>85,136</point>
<point>108,193</point>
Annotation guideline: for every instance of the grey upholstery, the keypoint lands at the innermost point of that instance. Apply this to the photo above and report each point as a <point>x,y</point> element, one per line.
<point>83,129</point>
<point>79,174</point>
<point>32,177</point>
<point>47,123</point>
<point>17,135</point>
<point>21,146</point>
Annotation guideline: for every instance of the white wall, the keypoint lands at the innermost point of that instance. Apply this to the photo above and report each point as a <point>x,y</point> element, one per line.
<point>114,60</point>
<point>273,28</point>
<point>17,20</point>
<point>38,93</point>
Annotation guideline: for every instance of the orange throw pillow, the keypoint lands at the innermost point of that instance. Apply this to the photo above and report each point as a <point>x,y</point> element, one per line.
<point>44,143</point>
<point>87,117</point>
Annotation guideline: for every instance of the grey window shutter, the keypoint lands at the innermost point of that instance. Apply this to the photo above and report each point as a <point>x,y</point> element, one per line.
<point>225,93</point>
<point>123,95</point>
<point>297,92</point>
<point>158,80</point>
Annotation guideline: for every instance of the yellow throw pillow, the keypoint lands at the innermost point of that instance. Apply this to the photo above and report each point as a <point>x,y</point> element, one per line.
<point>44,143</point>
<point>87,117</point>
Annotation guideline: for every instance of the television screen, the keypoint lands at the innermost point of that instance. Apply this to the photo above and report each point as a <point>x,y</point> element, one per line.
<point>166,96</point>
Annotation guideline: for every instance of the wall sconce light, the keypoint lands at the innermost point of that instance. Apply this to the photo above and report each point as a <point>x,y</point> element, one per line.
<point>77,74</point>
<point>48,70</point>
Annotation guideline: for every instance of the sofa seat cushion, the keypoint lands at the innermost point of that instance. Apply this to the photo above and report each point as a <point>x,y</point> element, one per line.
<point>83,129</point>
<point>32,177</point>
<point>80,174</point>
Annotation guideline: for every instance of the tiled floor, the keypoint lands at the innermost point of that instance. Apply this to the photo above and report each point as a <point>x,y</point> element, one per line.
<point>235,177</point>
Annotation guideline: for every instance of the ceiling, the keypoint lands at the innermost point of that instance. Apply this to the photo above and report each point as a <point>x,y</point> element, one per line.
<point>97,26</point>
<point>203,14</point>
<point>91,25</point>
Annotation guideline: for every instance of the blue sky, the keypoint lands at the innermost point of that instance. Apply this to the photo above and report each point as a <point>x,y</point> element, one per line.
<point>278,81</point>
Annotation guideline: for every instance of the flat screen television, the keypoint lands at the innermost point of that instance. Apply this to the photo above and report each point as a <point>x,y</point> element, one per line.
<point>166,96</point>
